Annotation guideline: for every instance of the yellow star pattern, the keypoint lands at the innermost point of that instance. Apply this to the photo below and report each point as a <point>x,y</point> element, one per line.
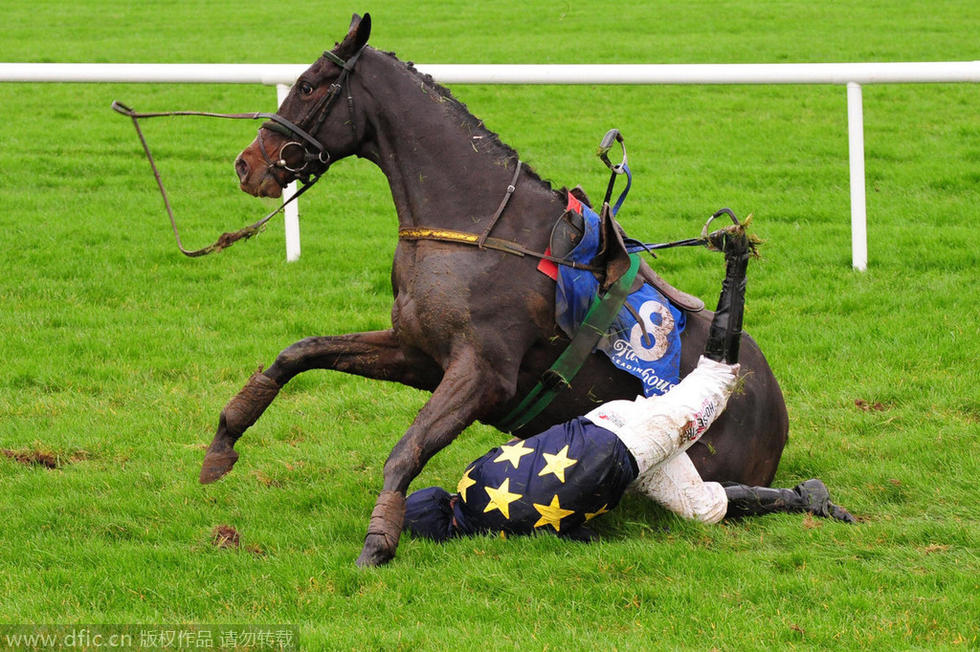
<point>500,498</point>
<point>552,514</point>
<point>557,463</point>
<point>513,453</point>
<point>591,515</point>
<point>465,483</point>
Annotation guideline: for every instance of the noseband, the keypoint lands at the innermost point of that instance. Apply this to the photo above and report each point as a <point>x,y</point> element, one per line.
<point>315,157</point>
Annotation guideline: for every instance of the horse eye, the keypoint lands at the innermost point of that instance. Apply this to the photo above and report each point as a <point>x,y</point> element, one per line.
<point>306,88</point>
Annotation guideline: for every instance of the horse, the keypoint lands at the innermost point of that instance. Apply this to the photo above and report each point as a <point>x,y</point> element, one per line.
<point>473,325</point>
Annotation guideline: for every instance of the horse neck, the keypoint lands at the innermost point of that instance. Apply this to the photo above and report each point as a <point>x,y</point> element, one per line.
<point>443,167</point>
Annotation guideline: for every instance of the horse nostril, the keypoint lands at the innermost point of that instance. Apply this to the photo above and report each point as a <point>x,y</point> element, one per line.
<point>241,167</point>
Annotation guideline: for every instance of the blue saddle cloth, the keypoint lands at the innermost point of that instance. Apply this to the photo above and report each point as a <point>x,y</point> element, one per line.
<point>651,351</point>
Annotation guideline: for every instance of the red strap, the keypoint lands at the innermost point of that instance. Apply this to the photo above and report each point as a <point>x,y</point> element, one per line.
<point>547,267</point>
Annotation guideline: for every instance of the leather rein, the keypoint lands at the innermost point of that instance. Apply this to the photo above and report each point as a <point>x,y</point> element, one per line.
<point>315,158</point>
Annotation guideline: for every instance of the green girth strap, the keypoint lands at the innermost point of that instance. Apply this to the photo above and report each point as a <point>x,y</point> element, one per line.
<point>597,321</point>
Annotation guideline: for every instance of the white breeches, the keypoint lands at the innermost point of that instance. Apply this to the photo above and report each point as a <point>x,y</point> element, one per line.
<point>657,431</point>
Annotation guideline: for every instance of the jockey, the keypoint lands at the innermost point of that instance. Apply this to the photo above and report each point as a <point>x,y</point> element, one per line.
<point>563,477</point>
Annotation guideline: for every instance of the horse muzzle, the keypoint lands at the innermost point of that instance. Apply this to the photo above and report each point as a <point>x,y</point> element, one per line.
<point>255,176</point>
<point>265,175</point>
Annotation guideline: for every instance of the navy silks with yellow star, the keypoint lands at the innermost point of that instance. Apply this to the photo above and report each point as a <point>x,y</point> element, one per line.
<point>555,481</point>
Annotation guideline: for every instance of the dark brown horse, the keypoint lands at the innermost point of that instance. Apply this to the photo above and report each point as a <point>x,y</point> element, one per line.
<point>475,326</point>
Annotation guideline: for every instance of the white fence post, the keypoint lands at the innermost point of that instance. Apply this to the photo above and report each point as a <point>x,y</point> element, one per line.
<point>291,214</point>
<point>855,139</point>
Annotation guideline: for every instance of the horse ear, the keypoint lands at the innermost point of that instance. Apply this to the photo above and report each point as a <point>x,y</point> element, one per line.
<point>357,35</point>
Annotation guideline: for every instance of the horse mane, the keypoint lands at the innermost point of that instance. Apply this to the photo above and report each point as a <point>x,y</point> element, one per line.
<point>468,119</point>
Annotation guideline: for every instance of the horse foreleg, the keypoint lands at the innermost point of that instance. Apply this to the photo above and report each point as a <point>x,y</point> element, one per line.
<point>374,355</point>
<point>241,412</point>
<point>468,390</point>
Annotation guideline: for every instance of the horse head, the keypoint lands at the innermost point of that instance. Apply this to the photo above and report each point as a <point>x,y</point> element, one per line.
<point>314,126</point>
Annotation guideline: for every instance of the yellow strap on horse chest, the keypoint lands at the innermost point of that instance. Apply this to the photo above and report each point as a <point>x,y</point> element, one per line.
<point>446,235</point>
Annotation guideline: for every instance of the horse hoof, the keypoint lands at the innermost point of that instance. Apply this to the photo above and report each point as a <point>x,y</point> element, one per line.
<point>375,552</point>
<point>216,464</point>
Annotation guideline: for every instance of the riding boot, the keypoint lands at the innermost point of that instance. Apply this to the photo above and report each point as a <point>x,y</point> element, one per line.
<point>725,334</point>
<point>811,496</point>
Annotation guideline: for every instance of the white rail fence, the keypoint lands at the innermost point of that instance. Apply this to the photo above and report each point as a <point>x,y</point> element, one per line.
<point>851,75</point>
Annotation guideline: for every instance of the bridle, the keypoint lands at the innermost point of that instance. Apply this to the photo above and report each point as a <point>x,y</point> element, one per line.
<point>313,157</point>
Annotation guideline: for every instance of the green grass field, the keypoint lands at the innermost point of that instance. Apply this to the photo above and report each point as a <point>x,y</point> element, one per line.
<point>119,353</point>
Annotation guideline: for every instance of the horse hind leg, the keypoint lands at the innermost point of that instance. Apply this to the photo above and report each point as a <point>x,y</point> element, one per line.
<point>375,354</point>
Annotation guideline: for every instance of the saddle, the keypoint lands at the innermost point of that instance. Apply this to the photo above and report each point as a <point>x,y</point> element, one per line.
<point>613,257</point>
